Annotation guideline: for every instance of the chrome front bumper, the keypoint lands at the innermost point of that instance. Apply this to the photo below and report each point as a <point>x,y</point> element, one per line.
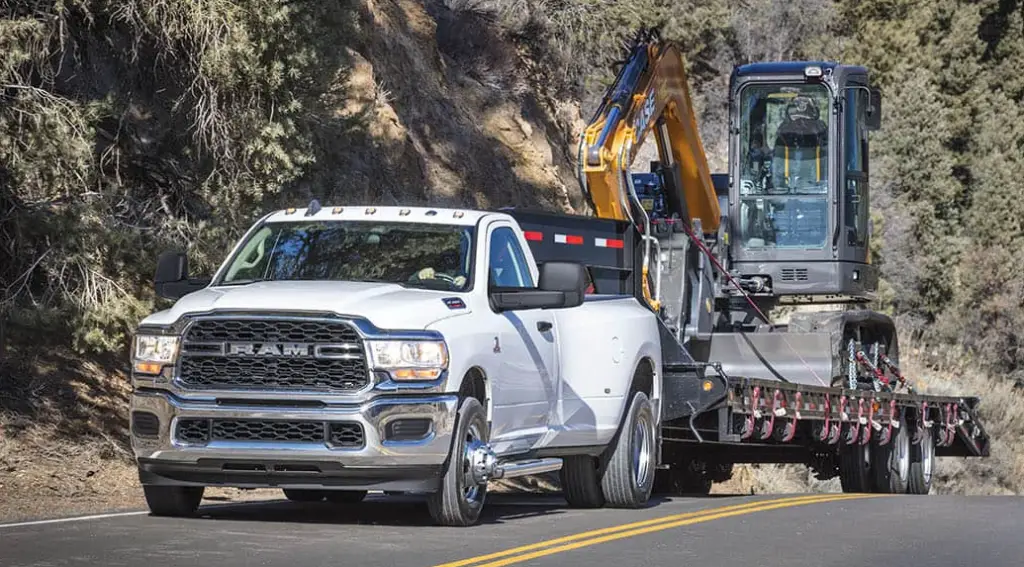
<point>379,464</point>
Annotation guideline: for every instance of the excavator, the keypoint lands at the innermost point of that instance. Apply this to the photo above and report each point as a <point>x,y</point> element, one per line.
<point>715,255</point>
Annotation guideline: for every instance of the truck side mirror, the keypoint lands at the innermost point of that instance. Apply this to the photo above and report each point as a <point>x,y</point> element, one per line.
<point>569,278</point>
<point>171,280</point>
<point>562,284</point>
<point>873,116</point>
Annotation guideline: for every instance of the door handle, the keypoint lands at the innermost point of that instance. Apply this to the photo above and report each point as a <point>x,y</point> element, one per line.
<point>543,326</point>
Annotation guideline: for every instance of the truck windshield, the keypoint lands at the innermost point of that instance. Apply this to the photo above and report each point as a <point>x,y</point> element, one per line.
<point>411,254</point>
<point>783,165</point>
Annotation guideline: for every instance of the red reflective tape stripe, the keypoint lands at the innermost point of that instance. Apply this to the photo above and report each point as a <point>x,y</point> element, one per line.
<point>533,235</point>
<point>572,239</point>
<point>608,243</point>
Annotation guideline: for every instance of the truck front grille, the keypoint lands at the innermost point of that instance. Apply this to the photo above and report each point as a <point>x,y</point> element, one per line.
<point>335,434</point>
<point>281,355</point>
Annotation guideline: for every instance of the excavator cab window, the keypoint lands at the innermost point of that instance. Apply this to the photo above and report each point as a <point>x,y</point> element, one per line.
<point>784,170</point>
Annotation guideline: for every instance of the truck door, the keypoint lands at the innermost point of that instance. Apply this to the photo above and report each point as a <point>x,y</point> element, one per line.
<point>526,390</point>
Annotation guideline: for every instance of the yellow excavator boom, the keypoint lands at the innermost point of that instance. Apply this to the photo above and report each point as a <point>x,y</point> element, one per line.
<point>650,94</point>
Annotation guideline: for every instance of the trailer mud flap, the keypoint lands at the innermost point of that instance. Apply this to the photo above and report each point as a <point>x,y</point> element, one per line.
<point>800,358</point>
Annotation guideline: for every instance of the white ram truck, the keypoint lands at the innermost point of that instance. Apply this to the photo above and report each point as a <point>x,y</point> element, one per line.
<point>339,350</point>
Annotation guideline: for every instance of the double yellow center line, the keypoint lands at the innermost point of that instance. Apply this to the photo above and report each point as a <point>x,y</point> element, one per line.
<point>594,537</point>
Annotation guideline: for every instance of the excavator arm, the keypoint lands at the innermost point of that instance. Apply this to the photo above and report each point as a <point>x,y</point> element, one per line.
<point>649,94</point>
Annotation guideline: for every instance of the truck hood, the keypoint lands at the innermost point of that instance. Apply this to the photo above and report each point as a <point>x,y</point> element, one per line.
<point>387,306</point>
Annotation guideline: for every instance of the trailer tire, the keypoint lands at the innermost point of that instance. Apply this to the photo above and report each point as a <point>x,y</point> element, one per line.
<point>922,464</point>
<point>629,477</point>
<point>855,468</point>
<point>892,462</point>
<point>459,502</point>
<point>176,501</point>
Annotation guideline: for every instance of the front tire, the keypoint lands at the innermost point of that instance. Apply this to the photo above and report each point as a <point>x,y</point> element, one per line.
<point>629,477</point>
<point>175,501</point>
<point>459,500</point>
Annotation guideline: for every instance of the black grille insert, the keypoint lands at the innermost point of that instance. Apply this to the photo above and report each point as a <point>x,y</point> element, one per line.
<point>407,429</point>
<point>284,355</point>
<point>193,431</point>
<point>145,424</point>
<point>346,435</point>
<point>336,434</point>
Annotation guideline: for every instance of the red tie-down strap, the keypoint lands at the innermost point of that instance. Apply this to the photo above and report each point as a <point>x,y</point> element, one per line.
<point>867,426</point>
<point>754,412</point>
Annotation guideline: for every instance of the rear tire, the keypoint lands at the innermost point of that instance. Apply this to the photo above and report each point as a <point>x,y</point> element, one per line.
<point>855,468</point>
<point>303,494</point>
<point>176,501</point>
<point>345,496</point>
<point>892,462</point>
<point>629,477</point>
<point>459,501</point>
<point>922,464</point>
<point>581,483</point>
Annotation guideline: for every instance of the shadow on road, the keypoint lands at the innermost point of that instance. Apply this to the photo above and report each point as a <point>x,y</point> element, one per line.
<point>396,510</point>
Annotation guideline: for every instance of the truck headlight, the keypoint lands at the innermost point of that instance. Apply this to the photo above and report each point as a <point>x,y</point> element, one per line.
<point>410,360</point>
<point>152,352</point>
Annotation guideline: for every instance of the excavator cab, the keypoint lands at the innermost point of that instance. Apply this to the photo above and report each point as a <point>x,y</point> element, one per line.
<point>798,192</point>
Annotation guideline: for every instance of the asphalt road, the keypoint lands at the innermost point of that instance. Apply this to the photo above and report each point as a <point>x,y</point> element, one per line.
<point>749,531</point>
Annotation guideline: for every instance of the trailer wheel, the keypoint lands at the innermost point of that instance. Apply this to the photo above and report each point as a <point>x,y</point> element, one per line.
<point>922,464</point>
<point>855,468</point>
<point>629,478</point>
<point>178,501</point>
<point>460,499</point>
<point>892,462</point>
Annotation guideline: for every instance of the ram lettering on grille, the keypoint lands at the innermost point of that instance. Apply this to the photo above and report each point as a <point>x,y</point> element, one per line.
<point>258,354</point>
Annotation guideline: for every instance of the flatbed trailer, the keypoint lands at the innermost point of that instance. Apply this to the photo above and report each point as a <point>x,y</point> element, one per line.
<point>716,420</point>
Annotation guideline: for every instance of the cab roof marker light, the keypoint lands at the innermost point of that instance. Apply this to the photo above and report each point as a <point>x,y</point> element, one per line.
<point>459,214</point>
<point>431,213</point>
<point>404,212</point>
<point>337,210</point>
<point>371,210</point>
<point>812,71</point>
<point>289,211</point>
